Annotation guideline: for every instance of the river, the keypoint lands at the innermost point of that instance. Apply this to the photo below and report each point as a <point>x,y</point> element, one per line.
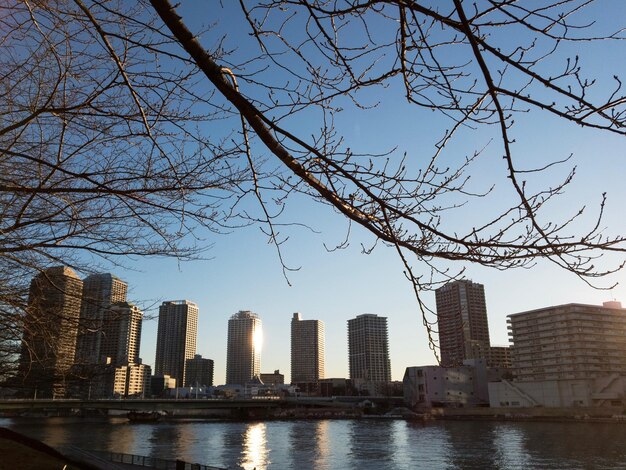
<point>347,444</point>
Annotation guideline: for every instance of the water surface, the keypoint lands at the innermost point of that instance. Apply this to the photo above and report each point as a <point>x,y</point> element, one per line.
<point>347,444</point>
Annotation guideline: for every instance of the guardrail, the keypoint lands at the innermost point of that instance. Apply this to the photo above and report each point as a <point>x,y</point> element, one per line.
<point>153,462</point>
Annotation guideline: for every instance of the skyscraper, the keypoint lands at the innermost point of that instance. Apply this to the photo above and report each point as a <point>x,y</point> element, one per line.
<point>368,348</point>
<point>99,292</point>
<point>462,322</point>
<point>307,350</point>
<point>176,338</point>
<point>50,329</point>
<point>243,355</point>
<point>121,333</point>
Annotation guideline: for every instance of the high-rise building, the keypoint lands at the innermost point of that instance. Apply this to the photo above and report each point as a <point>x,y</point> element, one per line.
<point>307,350</point>
<point>243,355</point>
<point>572,341</point>
<point>121,333</point>
<point>462,322</point>
<point>176,338</point>
<point>100,291</point>
<point>368,348</point>
<point>199,372</point>
<point>50,329</point>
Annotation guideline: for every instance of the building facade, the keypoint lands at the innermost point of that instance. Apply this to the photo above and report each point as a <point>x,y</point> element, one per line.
<point>275,378</point>
<point>566,356</point>
<point>132,380</point>
<point>437,386</point>
<point>500,356</point>
<point>307,350</point>
<point>199,372</point>
<point>462,322</point>
<point>572,341</point>
<point>121,328</point>
<point>368,348</point>
<point>176,338</point>
<point>243,355</point>
<point>50,331</point>
<point>100,291</point>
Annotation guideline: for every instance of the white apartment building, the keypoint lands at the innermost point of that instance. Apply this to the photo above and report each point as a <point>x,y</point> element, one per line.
<point>368,348</point>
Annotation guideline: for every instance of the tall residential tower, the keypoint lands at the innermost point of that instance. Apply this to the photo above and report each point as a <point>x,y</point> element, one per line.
<point>368,348</point>
<point>100,291</point>
<point>121,338</point>
<point>176,338</point>
<point>50,330</point>
<point>462,322</point>
<point>243,356</point>
<point>307,350</point>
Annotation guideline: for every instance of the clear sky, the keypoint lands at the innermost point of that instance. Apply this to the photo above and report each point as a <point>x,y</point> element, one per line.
<point>243,272</point>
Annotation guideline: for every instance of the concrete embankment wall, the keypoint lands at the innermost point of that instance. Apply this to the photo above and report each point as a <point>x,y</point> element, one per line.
<point>530,413</point>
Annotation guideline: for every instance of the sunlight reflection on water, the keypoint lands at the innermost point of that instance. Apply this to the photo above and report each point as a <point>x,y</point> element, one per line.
<point>349,444</point>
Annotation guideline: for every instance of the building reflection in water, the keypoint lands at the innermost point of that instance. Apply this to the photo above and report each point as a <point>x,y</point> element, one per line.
<point>510,444</point>
<point>54,432</point>
<point>171,441</point>
<point>309,442</point>
<point>371,440</point>
<point>254,454</point>
<point>123,439</point>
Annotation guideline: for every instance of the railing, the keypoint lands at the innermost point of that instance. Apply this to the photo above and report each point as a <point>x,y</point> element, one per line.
<point>153,462</point>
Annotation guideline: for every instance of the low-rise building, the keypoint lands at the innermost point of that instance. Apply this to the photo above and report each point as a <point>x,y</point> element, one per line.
<point>160,385</point>
<point>435,386</point>
<point>132,380</point>
<point>275,378</point>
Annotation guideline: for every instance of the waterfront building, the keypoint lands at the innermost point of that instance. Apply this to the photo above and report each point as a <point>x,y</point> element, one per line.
<point>566,355</point>
<point>176,338</point>
<point>199,372</point>
<point>243,355</point>
<point>275,378</point>
<point>368,348</point>
<point>121,328</point>
<point>160,385</point>
<point>572,341</point>
<point>50,330</point>
<point>100,291</point>
<point>436,386</point>
<point>462,322</point>
<point>132,380</point>
<point>307,350</point>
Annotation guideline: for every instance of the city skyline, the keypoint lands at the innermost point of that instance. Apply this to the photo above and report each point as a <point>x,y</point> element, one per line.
<point>241,270</point>
<point>126,318</point>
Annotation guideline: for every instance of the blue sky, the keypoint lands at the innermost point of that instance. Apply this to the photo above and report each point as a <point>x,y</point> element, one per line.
<point>244,272</point>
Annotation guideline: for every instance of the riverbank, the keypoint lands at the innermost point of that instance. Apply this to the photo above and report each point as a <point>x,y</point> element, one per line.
<point>24,453</point>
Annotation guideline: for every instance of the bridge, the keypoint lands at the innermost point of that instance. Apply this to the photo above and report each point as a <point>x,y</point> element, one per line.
<point>187,404</point>
<point>168,405</point>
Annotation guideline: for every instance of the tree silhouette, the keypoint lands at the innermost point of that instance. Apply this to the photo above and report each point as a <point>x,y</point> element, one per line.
<point>125,133</point>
